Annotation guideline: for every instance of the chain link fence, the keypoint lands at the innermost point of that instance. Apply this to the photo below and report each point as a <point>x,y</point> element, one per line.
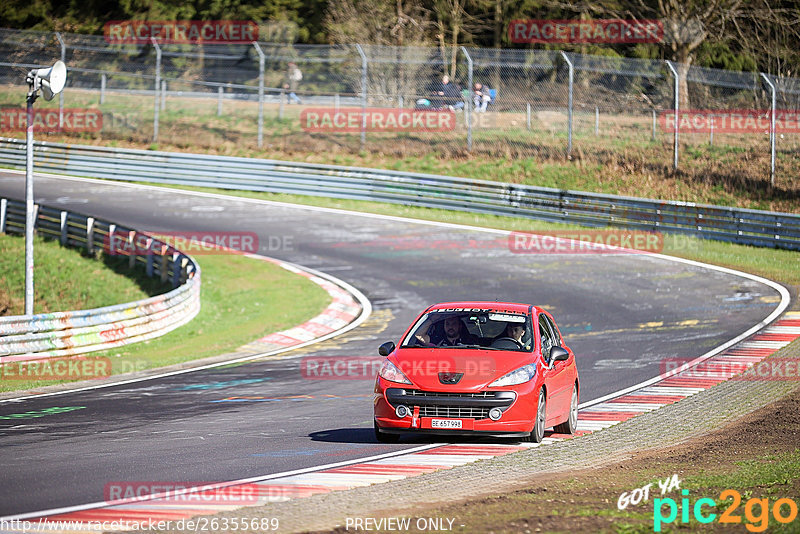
<point>532,103</point>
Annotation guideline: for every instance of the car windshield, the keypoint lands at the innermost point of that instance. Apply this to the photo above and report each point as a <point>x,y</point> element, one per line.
<point>472,329</point>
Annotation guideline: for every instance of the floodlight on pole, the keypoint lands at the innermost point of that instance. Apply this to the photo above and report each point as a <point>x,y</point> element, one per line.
<point>50,81</point>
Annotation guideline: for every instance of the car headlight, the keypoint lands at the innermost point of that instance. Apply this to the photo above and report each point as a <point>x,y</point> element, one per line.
<point>518,376</point>
<point>390,372</point>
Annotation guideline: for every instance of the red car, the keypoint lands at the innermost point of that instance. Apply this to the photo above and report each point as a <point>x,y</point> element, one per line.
<point>478,368</point>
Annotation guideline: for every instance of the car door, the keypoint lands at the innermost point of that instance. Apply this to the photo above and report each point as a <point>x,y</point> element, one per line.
<point>557,375</point>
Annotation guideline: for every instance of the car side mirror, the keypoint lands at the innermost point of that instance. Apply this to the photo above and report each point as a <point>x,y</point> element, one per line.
<point>386,349</point>
<point>558,354</point>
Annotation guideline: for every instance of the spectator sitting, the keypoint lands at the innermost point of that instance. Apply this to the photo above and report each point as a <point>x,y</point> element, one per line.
<point>447,95</point>
<point>481,97</point>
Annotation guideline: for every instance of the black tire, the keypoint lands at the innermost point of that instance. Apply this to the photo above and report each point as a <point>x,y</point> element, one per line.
<point>383,437</point>
<point>571,424</point>
<point>537,434</point>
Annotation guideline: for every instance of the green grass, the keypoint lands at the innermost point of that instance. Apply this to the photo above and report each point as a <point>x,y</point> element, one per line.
<point>242,299</point>
<point>67,279</point>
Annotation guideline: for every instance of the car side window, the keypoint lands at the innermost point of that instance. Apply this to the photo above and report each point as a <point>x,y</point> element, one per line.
<point>556,337</point>
<point>547,338</point>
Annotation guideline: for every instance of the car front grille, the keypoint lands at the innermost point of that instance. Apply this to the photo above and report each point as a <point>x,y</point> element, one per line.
<point>452,405</point>
<point>478,395</point>
<point>455,412</point>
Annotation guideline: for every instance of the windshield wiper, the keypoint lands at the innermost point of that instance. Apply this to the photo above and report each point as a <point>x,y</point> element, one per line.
<point>476,347</point>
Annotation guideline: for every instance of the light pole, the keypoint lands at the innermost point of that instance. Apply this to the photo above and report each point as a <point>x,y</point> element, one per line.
<point>51,81</point>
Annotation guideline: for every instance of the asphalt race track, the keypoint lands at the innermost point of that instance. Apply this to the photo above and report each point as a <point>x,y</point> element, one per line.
<point>622,315</point>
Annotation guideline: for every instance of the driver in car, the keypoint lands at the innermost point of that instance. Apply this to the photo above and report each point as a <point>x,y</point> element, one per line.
<point>454,333</point>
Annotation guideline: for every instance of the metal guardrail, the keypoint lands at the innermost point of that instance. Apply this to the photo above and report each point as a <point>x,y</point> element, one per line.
<point>736,225</point>
<point>76,332</point>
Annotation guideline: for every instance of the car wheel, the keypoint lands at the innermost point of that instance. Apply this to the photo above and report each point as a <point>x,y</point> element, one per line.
<point>383,437</point>
<point>537,434</point>
<point>571,424</point>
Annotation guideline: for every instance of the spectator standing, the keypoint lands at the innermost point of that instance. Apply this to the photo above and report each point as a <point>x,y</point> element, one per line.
<point>293,77</point>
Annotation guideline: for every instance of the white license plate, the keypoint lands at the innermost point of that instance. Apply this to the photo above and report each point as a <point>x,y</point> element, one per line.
<point>445,423</point>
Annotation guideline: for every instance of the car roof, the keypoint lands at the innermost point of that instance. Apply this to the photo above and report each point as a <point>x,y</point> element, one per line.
<point>501,307</point>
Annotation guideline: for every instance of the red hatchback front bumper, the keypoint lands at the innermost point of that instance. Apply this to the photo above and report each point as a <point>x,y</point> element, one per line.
<point>456,412</point>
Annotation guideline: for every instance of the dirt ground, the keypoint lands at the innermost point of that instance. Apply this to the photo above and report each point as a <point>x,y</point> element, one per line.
<point>758,456</point>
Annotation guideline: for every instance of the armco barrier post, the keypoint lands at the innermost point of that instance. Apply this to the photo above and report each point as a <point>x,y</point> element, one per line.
<point>219,101</point>
<point>771,131</point>
<point>676,100</point>
<point>90,235</point>
<point>569,103</point>
<point>261,60</point>
<point>363,95</point>
<point>3,211</point>
<point>157,86</point>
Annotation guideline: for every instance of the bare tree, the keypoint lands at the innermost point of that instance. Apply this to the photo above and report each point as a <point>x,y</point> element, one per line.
<point>686,23</point>
<point>396,35</point>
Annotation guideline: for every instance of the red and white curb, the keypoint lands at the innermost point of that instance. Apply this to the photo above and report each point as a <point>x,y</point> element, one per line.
<point>684,383</point>
<point>675,386</point>
<point>343,310</point>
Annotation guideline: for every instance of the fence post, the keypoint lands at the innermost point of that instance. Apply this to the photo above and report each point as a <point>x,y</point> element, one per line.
<point>157,86</point>
<point>711,132</point>
<point>102,88</point>
<point>771,132</point>
<point>260,94</point>
<point>469,100</point>
<point>654,125</point>
<point>596,121</point>
<point>676,98</point>
<point>219,101</point>
<point>363,95</point>
<point>61,94</point>
<point>528,106</point>
<point>569,105</point>
<point>336,103</point>
<point>163,94</point>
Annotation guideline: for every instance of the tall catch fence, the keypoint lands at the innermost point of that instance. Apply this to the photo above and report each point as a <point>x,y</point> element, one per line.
<point>544,104</point>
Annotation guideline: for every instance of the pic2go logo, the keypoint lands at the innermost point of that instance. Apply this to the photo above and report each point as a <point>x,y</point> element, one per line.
<point>757,521</point>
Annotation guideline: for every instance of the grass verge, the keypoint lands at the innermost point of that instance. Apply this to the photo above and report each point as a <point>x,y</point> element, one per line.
<point>67,278</point>
<point>242,299</point>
